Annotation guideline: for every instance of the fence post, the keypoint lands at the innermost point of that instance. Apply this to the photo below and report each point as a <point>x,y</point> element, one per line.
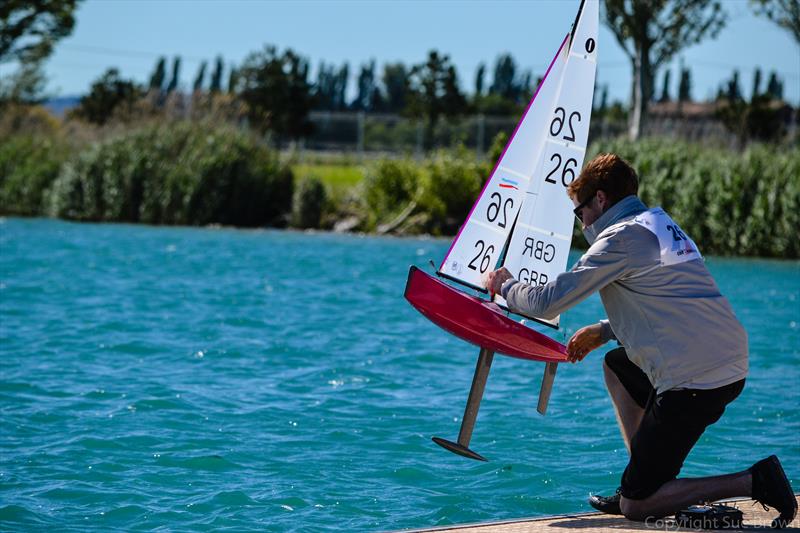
<point>479,151</point>
<point>418,151</point>
<point>360,142</point>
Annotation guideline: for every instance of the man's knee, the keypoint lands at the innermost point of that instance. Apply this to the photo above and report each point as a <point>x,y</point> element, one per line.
<point>633,509</point>
<point>606,368</point>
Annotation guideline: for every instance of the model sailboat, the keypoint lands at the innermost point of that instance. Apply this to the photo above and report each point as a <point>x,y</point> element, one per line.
<point>523,211</point>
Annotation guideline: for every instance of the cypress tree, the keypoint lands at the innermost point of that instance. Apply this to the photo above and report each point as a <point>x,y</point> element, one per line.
<point>734,93</point>
<point>756,85</point>
<point>176,72</point>
<point>233,79</point>
<point>685,86</point>
<point>395,82</point>
<point>201,74</point>
<point>158,75</point>
<point>340,87</point>
<point>775,86</point>
<point>479,79</point>
<point>216,76</point>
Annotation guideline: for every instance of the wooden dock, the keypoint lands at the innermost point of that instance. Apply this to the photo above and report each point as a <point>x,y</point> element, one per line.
<point>755,518</point>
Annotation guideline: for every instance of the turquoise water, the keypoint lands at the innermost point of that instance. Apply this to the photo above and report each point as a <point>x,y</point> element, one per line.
<point>212,379</point>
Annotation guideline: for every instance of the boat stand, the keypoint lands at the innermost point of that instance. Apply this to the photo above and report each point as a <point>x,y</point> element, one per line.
<point>474,402</point>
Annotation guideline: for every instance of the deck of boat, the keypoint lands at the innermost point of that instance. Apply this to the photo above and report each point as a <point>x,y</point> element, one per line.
<point>754,518</point>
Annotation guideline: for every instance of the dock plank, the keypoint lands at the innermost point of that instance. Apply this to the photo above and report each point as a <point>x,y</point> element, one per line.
<point>755,518</point>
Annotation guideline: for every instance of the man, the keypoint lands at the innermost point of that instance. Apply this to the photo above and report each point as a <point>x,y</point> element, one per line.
<point>682,355</point>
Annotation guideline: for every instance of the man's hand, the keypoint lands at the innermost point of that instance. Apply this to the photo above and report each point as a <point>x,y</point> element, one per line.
<point>496,279</point>
<point>584,341</point>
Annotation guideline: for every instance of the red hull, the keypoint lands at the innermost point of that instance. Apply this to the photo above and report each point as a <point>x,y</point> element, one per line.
<point>477,321</point>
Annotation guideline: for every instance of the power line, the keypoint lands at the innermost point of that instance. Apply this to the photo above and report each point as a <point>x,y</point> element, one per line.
<point>124,53</point>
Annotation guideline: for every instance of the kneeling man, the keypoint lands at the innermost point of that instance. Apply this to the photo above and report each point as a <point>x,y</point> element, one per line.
<point>683,354</point>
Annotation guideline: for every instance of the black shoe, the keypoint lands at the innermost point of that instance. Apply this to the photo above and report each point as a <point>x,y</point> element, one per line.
<point>606,504</point>
<point>771,488</point>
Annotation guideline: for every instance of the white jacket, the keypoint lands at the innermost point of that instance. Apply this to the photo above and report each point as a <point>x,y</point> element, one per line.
<point>672,320</point>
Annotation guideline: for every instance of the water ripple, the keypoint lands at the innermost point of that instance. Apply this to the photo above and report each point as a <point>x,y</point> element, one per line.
<point>214,379</point>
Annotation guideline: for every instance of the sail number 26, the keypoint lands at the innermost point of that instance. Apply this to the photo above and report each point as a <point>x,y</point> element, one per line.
<point>566,172</point>
<point>483,259</point>
<point>558,124</point>
<point>493,211</point>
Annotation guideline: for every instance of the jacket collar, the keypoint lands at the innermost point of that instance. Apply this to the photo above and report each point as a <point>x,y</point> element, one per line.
<point>628,207</point>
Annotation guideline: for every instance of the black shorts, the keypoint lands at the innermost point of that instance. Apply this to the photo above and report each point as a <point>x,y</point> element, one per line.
<point>673,422</point>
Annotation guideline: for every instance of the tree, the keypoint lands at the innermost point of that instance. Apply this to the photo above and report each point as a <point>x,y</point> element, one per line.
<point>29,29</point>
<point>329,92</point>
<point>665,88</point>
<point>233,80</point>
<point>201,75</point>
<point>396,86</point>
<point>775,86</point>
<point>176,74</point>
<point>323,90</point>
<point>733,92</point>
<point>504,83</point>
<point>340,87</point>
<point>109,94</point>
<point>453,100</point>
<point>756,119</point>
<point>276,90</point>
<point>216,76</point>
<point>479,75</point>
<point>434,91</point>
<point>25,86</point>
<point>158,75</point>
<point>368,97</point>
<point>651,32</point>
<point>756,85</point>
<point>685,86</point>
<point>784,13</point>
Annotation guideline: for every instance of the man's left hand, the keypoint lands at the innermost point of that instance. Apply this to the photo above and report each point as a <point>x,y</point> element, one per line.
<point>584,341</point>
<point>496,279</point>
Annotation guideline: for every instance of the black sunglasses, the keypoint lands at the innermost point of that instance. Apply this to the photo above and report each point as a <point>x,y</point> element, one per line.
<point>579,210</point>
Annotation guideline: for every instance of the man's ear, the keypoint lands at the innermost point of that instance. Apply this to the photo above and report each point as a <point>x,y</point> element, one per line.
<point>602,200</point>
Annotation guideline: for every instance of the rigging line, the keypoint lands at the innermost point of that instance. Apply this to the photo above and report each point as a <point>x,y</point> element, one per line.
<point>92,49</point>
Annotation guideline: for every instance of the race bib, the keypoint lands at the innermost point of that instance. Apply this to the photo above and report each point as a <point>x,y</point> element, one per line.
<point>676,246</point>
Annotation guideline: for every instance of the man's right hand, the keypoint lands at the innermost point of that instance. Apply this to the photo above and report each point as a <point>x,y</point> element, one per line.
<point>584,341</point>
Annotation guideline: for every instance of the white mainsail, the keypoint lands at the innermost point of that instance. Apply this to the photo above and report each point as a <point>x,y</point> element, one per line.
<point>526,191</point>
<point>539,247</point>
<point>477,247</point>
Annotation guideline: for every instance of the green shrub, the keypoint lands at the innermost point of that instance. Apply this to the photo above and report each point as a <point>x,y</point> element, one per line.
<point>389,186</point>
<point>28,167</point>
<point>308,203</point>
<point>184,173</point>
<point>449,188</point>
<point>729,202</point>
<point>442,187</point>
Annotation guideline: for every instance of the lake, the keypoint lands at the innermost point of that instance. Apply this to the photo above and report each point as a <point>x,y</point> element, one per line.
<point>198,379</point>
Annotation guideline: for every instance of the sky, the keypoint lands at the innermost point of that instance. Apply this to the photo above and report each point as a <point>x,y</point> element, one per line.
<point>131,35</point>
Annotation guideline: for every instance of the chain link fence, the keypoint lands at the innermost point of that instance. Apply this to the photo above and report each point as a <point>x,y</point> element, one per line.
<point>371,134</point>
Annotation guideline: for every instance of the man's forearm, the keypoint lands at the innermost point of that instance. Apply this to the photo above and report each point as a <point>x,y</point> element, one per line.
<point>531,300</point>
